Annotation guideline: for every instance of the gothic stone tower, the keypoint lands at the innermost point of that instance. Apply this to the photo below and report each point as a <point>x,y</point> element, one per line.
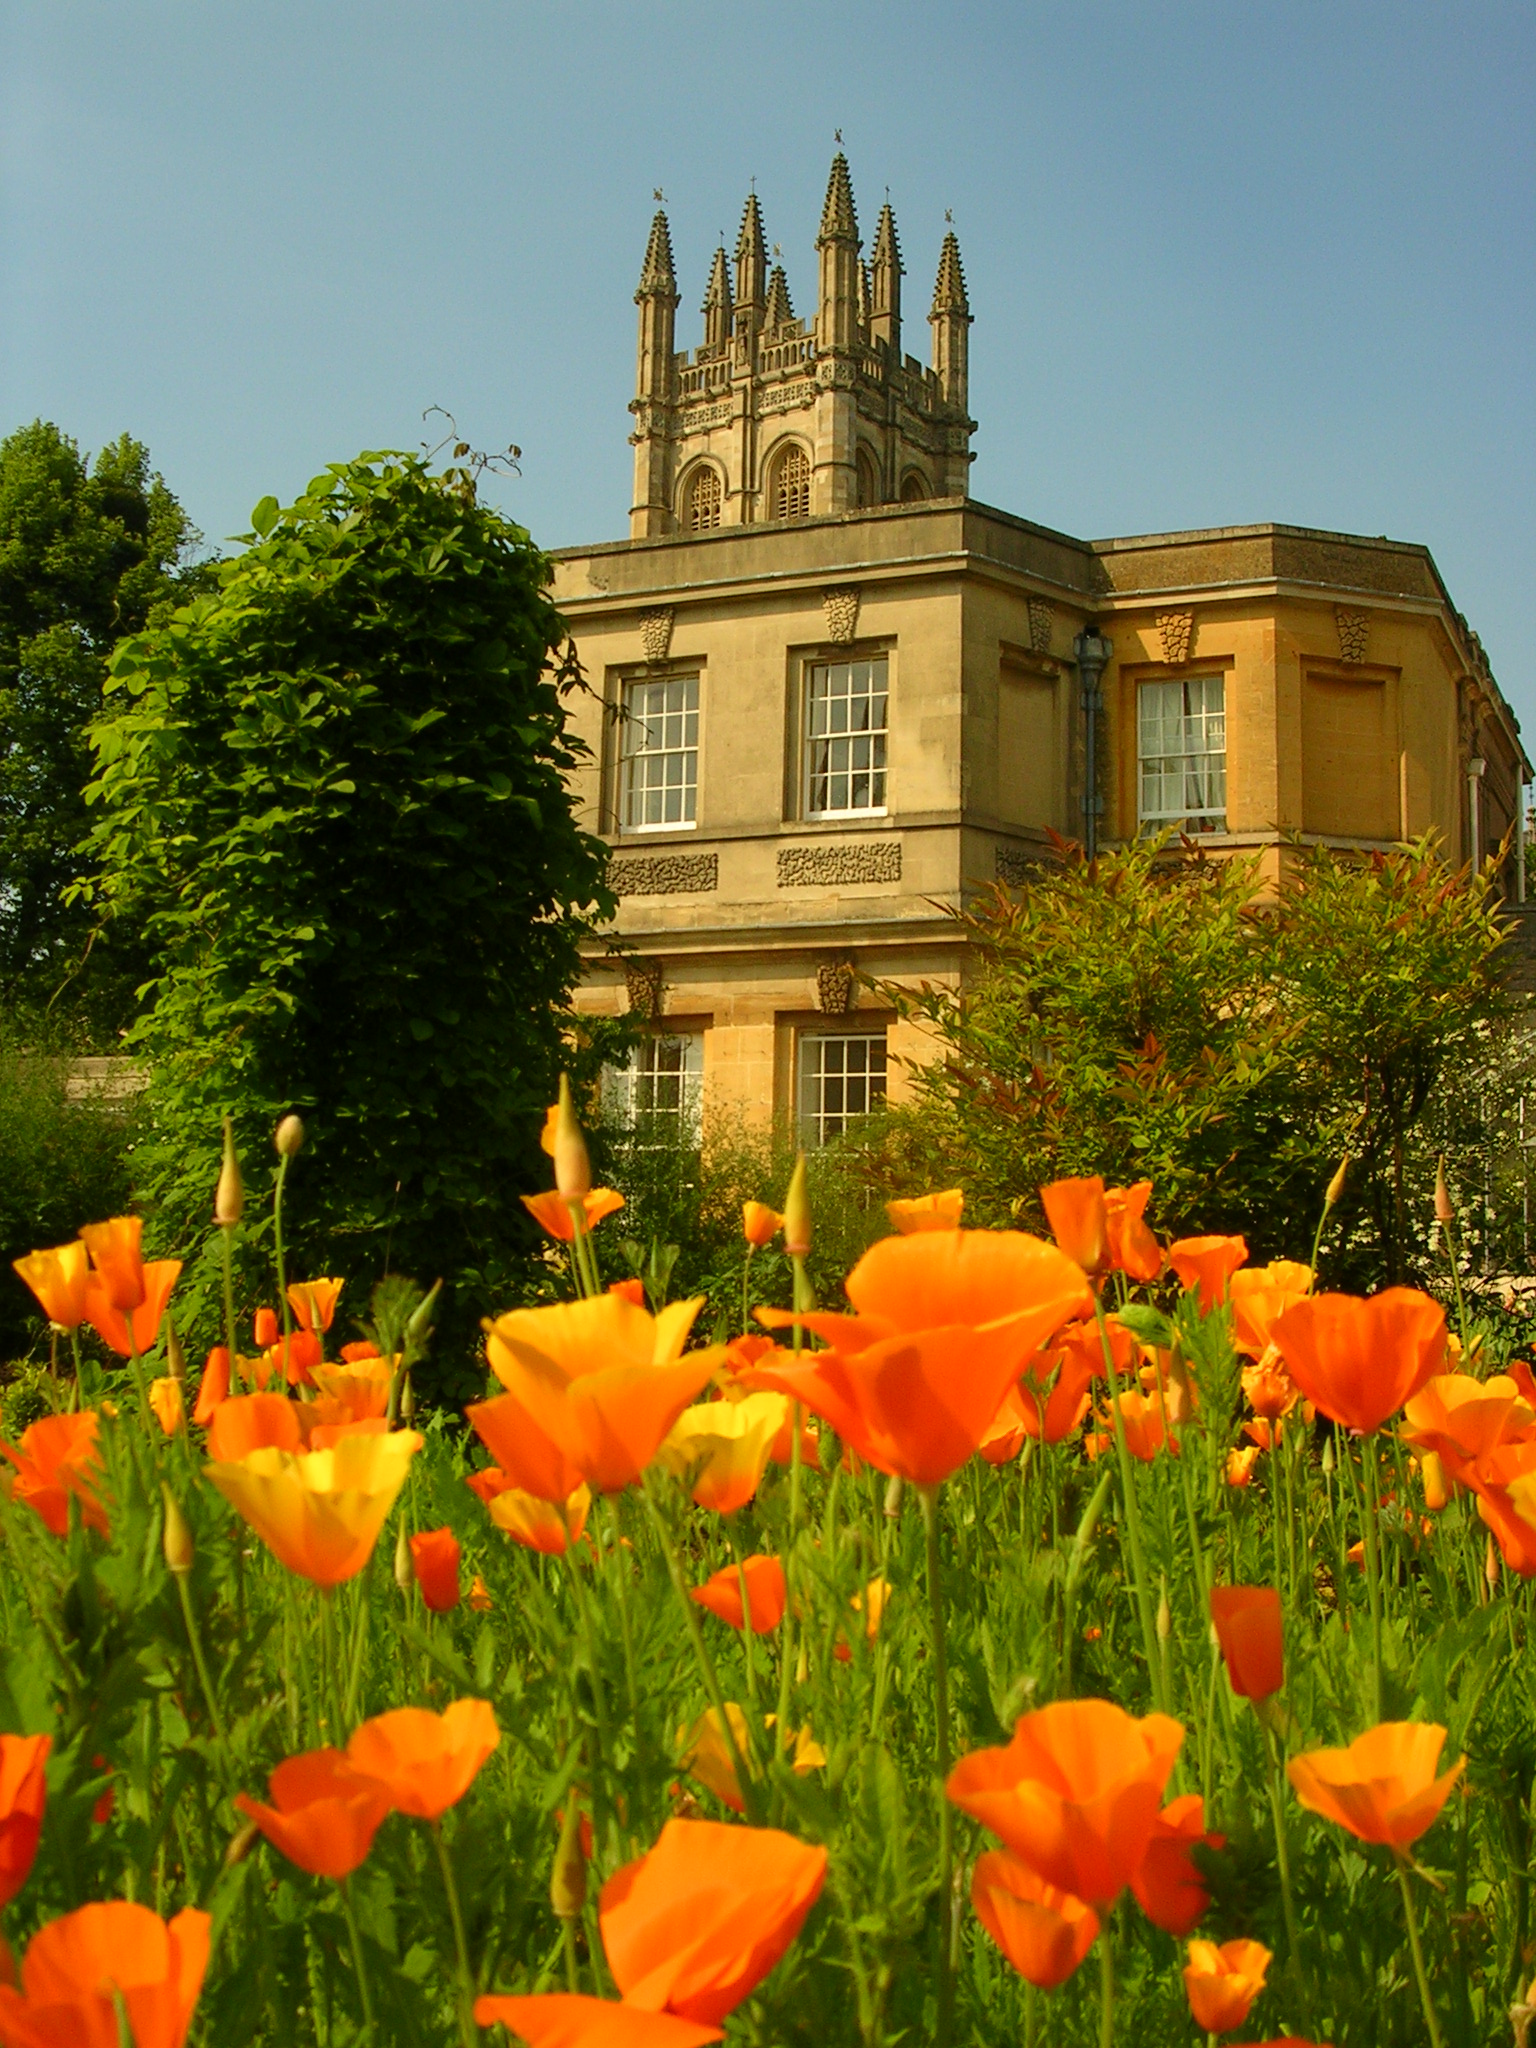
<point>774,418</point>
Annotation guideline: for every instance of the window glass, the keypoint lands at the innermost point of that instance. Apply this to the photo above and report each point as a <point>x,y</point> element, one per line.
<point>845,733</point>
<point>658,1092</point>
<point>792,485</point>
<point>704,500</point>
<point>1183,754</point>
<point>841,1076</point>
<point>659,753</point>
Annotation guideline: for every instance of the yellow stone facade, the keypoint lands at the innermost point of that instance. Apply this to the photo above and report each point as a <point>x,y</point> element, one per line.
<point>743,665</point>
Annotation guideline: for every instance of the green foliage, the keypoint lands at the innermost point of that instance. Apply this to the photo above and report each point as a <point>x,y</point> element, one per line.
<point>334,791</point>
<point>1150,1017</point>
<point>61,1162</point>
<point>87,553</point>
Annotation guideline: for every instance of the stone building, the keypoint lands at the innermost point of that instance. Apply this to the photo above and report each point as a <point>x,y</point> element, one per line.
<point>834,694</point>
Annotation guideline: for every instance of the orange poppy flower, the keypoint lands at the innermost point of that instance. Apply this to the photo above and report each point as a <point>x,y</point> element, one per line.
<point>354,1391</point>
<point>426,1762</point>
<point>290,1359</point>
<point>314,1302</point>
<point>1168,1885</point>
<point>946,1320</point>
<point>1382,1788</point>
<point>1360,1360</point>
<point>1437,1489</point>
<point>59,1456</point>
<point>324,1812</point>
<point>165,1397</point>
<point>1075,1210</point>
<point>1270,1390</point>
<point>139,1328</point>
<point>696,1924</point>
<point>550,1527</point>
<point>927,1212</point>
<point>706,1755</point>
<point>1044,1933</point>
<point>1133,1250</point>
<point>721,1594</point>
<point>117,1260</point>
<point>592,1388</point>
<point>1209,1264</point>
<point>58,1278</point>
<point>1249,1629</point>
<point>567,2019</point>
<point>1504,1481</point>
<point>480,1596</point>
<point>1463,1418</point>
<point>319,1512</point>
<point>760,1225</point>
<point>1260,1295</point>
<point>871,1603</point>
<point>1029,1410</point>
<point>552,1212</point>
<point>721,1448</point>
<point>1144,1418</point>
<point>74,1966</point>
<point>1240,1464</point>
<point>1076,1793</point>
<point>254,1422</point>
<point>213,1387</point>
<point>435,1561</point>
<point>23,1796</point>
<point>1222,1983</point>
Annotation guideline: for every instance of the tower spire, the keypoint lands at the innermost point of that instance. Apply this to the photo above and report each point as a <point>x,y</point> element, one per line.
<point>655,378</point>
<point>778,306</point>
<point>751,260</point>
<point>839,222</point>
<point>885,283</point>
<point>717,303</point>
<point>657,277</point>
<point>950,317</point>
<point>837,321</point>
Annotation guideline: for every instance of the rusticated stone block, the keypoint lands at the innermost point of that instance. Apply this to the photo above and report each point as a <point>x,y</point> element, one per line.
<point>664,874</point>
<point>834,866</point>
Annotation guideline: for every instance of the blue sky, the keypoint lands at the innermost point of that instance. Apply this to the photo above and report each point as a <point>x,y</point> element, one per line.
<point>1228,262</point>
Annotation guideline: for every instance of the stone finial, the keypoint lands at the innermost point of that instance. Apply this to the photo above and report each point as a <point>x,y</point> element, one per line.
<point>1041,613</point>
<point>780,307</point>
<point>839,223</point>
<point>842,610</point>
<point>642,982</point>
<point>949,294</point>
<point>1176,630</point>
<point>657,278</point>
<point>656,632</point>
<point>835,988</point>
<point>1353,629</point>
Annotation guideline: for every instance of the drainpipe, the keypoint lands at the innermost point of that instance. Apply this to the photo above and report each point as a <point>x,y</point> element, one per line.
<point>1092,652</point>
<point>1477,767</point>
<point>1519,842</point>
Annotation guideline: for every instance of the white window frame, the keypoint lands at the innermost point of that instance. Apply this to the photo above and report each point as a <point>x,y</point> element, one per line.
<point>669,1062</point>
<point>1183,747</point>
<point>636,789</point>
<point>849,736</point>
<point>816,1123</point>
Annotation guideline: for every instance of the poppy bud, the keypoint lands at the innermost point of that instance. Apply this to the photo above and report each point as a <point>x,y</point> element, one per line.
<point>568,1882</point>
<point>289,1137</point>
<point>1444,1211</point>
<point>797,1213</point>
<point>264,1328</point>
<point>759,1224</point>
<point>240,1845</point>
<point>573,1173</point>
<point>229,1195</point>
<point>1164,1616</point>
<point>423,1315</point>
<point>175,1357</point>
<point>1491,1566</point>
<point>177,1542</point>
<point>1335,1191</point>
<point>1329,1460</point>
<point>893,1498</point>
<point>405,1568</point>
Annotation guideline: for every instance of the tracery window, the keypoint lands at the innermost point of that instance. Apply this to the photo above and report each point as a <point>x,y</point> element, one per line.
<point>913,489</point>
<point>704,499</point>
<point>791,497</point>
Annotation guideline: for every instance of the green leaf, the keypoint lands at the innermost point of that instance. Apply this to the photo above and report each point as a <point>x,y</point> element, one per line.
<point>265,516</point>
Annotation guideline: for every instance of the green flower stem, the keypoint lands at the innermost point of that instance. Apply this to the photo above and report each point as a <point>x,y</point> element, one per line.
<point>194,1637</point>
<point>1282,1851</point>
<point>359,1640</point>
<point>277,1249</point>
<point>1431,2021</point>
<point>468,2032</point>
<point>599,1692</point>
<point>1373,1560</point>
<point>1107,1984</point>
<point>344,1886</point>
<point>928,1497</point>
<point>751,1797</point>
<point>1132,1519</point>
<point>227,1260</point>
<point>746,1612</point>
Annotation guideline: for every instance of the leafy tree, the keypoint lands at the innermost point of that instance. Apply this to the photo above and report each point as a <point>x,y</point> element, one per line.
<point>87,551</point>
<point>335,791</point>
<point>1150,1015</point>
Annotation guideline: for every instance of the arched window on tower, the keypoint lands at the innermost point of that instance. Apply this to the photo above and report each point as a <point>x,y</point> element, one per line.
<point>868,479</point>
<point>913,489</point>
<point>702,511</point>
<point>790,497</point>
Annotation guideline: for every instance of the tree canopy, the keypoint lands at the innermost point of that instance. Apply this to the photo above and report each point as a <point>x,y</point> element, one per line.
<point>87,551</point>
<point>334,790</point>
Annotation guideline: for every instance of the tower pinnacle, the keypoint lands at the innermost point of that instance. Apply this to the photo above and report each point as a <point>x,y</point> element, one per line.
<point>949,286</point>
<point>838,220</point>
<point>717,303</point>
<point>657,278</point>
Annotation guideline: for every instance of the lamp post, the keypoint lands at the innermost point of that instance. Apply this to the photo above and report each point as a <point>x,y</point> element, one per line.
<point>1092,653</point>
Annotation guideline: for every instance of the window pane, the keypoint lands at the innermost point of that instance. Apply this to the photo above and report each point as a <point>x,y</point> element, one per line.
<point>1182,732</point>
<point>659,752</point>
<point>658,1092</point>
<point>840,1077</point>
<point>845,727</point>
